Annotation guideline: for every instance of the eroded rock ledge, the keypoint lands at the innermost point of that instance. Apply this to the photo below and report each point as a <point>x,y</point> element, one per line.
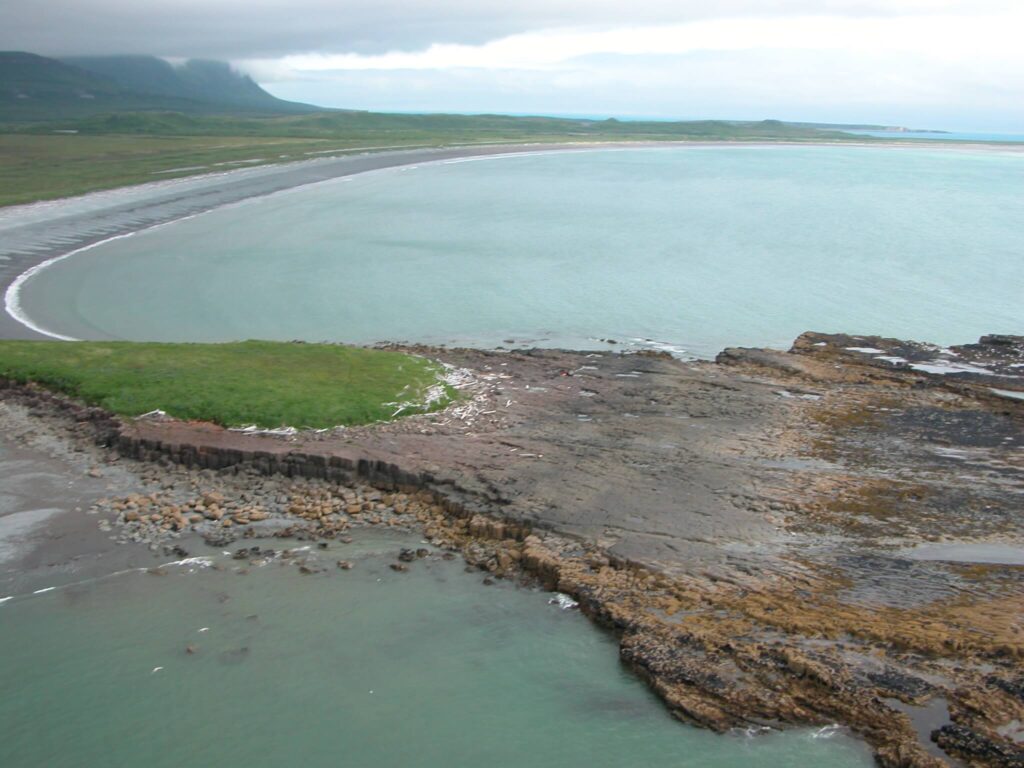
<point>829,534</point>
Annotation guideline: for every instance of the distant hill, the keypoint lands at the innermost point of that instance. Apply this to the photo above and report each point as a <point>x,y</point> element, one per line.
<point>855,127</point>
<point>39,88</point>
<point>213,82</point>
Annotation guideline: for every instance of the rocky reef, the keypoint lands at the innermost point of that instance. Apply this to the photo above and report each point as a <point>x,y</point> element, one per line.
<point>831,534</point>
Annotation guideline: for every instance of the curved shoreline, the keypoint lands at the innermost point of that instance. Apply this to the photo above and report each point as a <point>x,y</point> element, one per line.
<point>12,296</point>
<point>38,248</point>
<point>57,233</point>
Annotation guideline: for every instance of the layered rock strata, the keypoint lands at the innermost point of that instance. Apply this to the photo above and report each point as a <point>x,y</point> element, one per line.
<point>827,535</point>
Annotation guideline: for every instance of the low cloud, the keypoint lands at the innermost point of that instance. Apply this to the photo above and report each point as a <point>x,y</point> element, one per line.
<point>900,61</point>
<point>261,29</point>
<point>962,71</point>
<point>944,37</point>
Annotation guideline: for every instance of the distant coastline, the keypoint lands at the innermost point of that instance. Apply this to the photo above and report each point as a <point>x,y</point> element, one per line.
<point>36,235</point>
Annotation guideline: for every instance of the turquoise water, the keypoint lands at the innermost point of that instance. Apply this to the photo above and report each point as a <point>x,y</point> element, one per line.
<point>944,136</point>
<point>362,668</point>
<point>698,248</point>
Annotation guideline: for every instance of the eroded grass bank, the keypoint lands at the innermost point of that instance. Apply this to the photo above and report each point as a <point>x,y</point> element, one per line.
<point>269,384</point>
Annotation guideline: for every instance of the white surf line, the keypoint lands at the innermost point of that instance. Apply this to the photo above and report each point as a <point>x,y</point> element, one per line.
<point>502,156</point>
<point>12,296</point>
<point>578,147</point>
<point>12,299</point>
<point>201,561</point>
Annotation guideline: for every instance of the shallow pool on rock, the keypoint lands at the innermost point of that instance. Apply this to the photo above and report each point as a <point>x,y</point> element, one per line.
<point>366,667</point>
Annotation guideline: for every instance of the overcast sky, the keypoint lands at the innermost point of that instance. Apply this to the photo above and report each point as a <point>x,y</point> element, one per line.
<point>929,63</point>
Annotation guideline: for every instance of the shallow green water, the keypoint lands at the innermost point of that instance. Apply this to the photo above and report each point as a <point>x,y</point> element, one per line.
<point>699,248</point>
<point>360,668</point>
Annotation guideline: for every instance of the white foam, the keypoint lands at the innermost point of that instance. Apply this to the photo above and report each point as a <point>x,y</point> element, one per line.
<point>44,209</point>
<point>503,156</point>
<point>5,599</point>
<point>43,590</point>
<point>199,562</point>
<point>676,351</point>
<point>563,601</point>
<point>827,732</point>
<point>12,297</point>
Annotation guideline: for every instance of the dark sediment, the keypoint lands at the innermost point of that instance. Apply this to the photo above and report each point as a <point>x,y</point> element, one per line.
<point>744,525</point>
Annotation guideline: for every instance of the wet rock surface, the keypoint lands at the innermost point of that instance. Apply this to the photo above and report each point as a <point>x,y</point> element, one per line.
<point>746,526</point>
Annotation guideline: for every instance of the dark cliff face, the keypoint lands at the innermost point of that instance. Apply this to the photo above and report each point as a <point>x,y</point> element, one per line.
<point>39,88</point>
<point>198,79</point>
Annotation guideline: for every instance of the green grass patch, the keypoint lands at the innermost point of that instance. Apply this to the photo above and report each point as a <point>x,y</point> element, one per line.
<point>57,158</point>
<point>46,167</point>
<point>270,384</point>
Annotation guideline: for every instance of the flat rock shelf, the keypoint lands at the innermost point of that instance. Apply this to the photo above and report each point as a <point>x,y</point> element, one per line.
<point>745,528</point>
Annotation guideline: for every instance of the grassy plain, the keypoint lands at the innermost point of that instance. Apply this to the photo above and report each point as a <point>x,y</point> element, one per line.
<point>38,167</point>
<point>43,161</point>
<point>270,384</point>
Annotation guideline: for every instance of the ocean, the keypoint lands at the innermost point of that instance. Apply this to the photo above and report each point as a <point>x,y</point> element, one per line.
<point>361,668</point>
<point>688,249</point>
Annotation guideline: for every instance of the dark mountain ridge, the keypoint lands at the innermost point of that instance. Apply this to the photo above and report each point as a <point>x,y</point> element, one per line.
<point>36,87</point>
